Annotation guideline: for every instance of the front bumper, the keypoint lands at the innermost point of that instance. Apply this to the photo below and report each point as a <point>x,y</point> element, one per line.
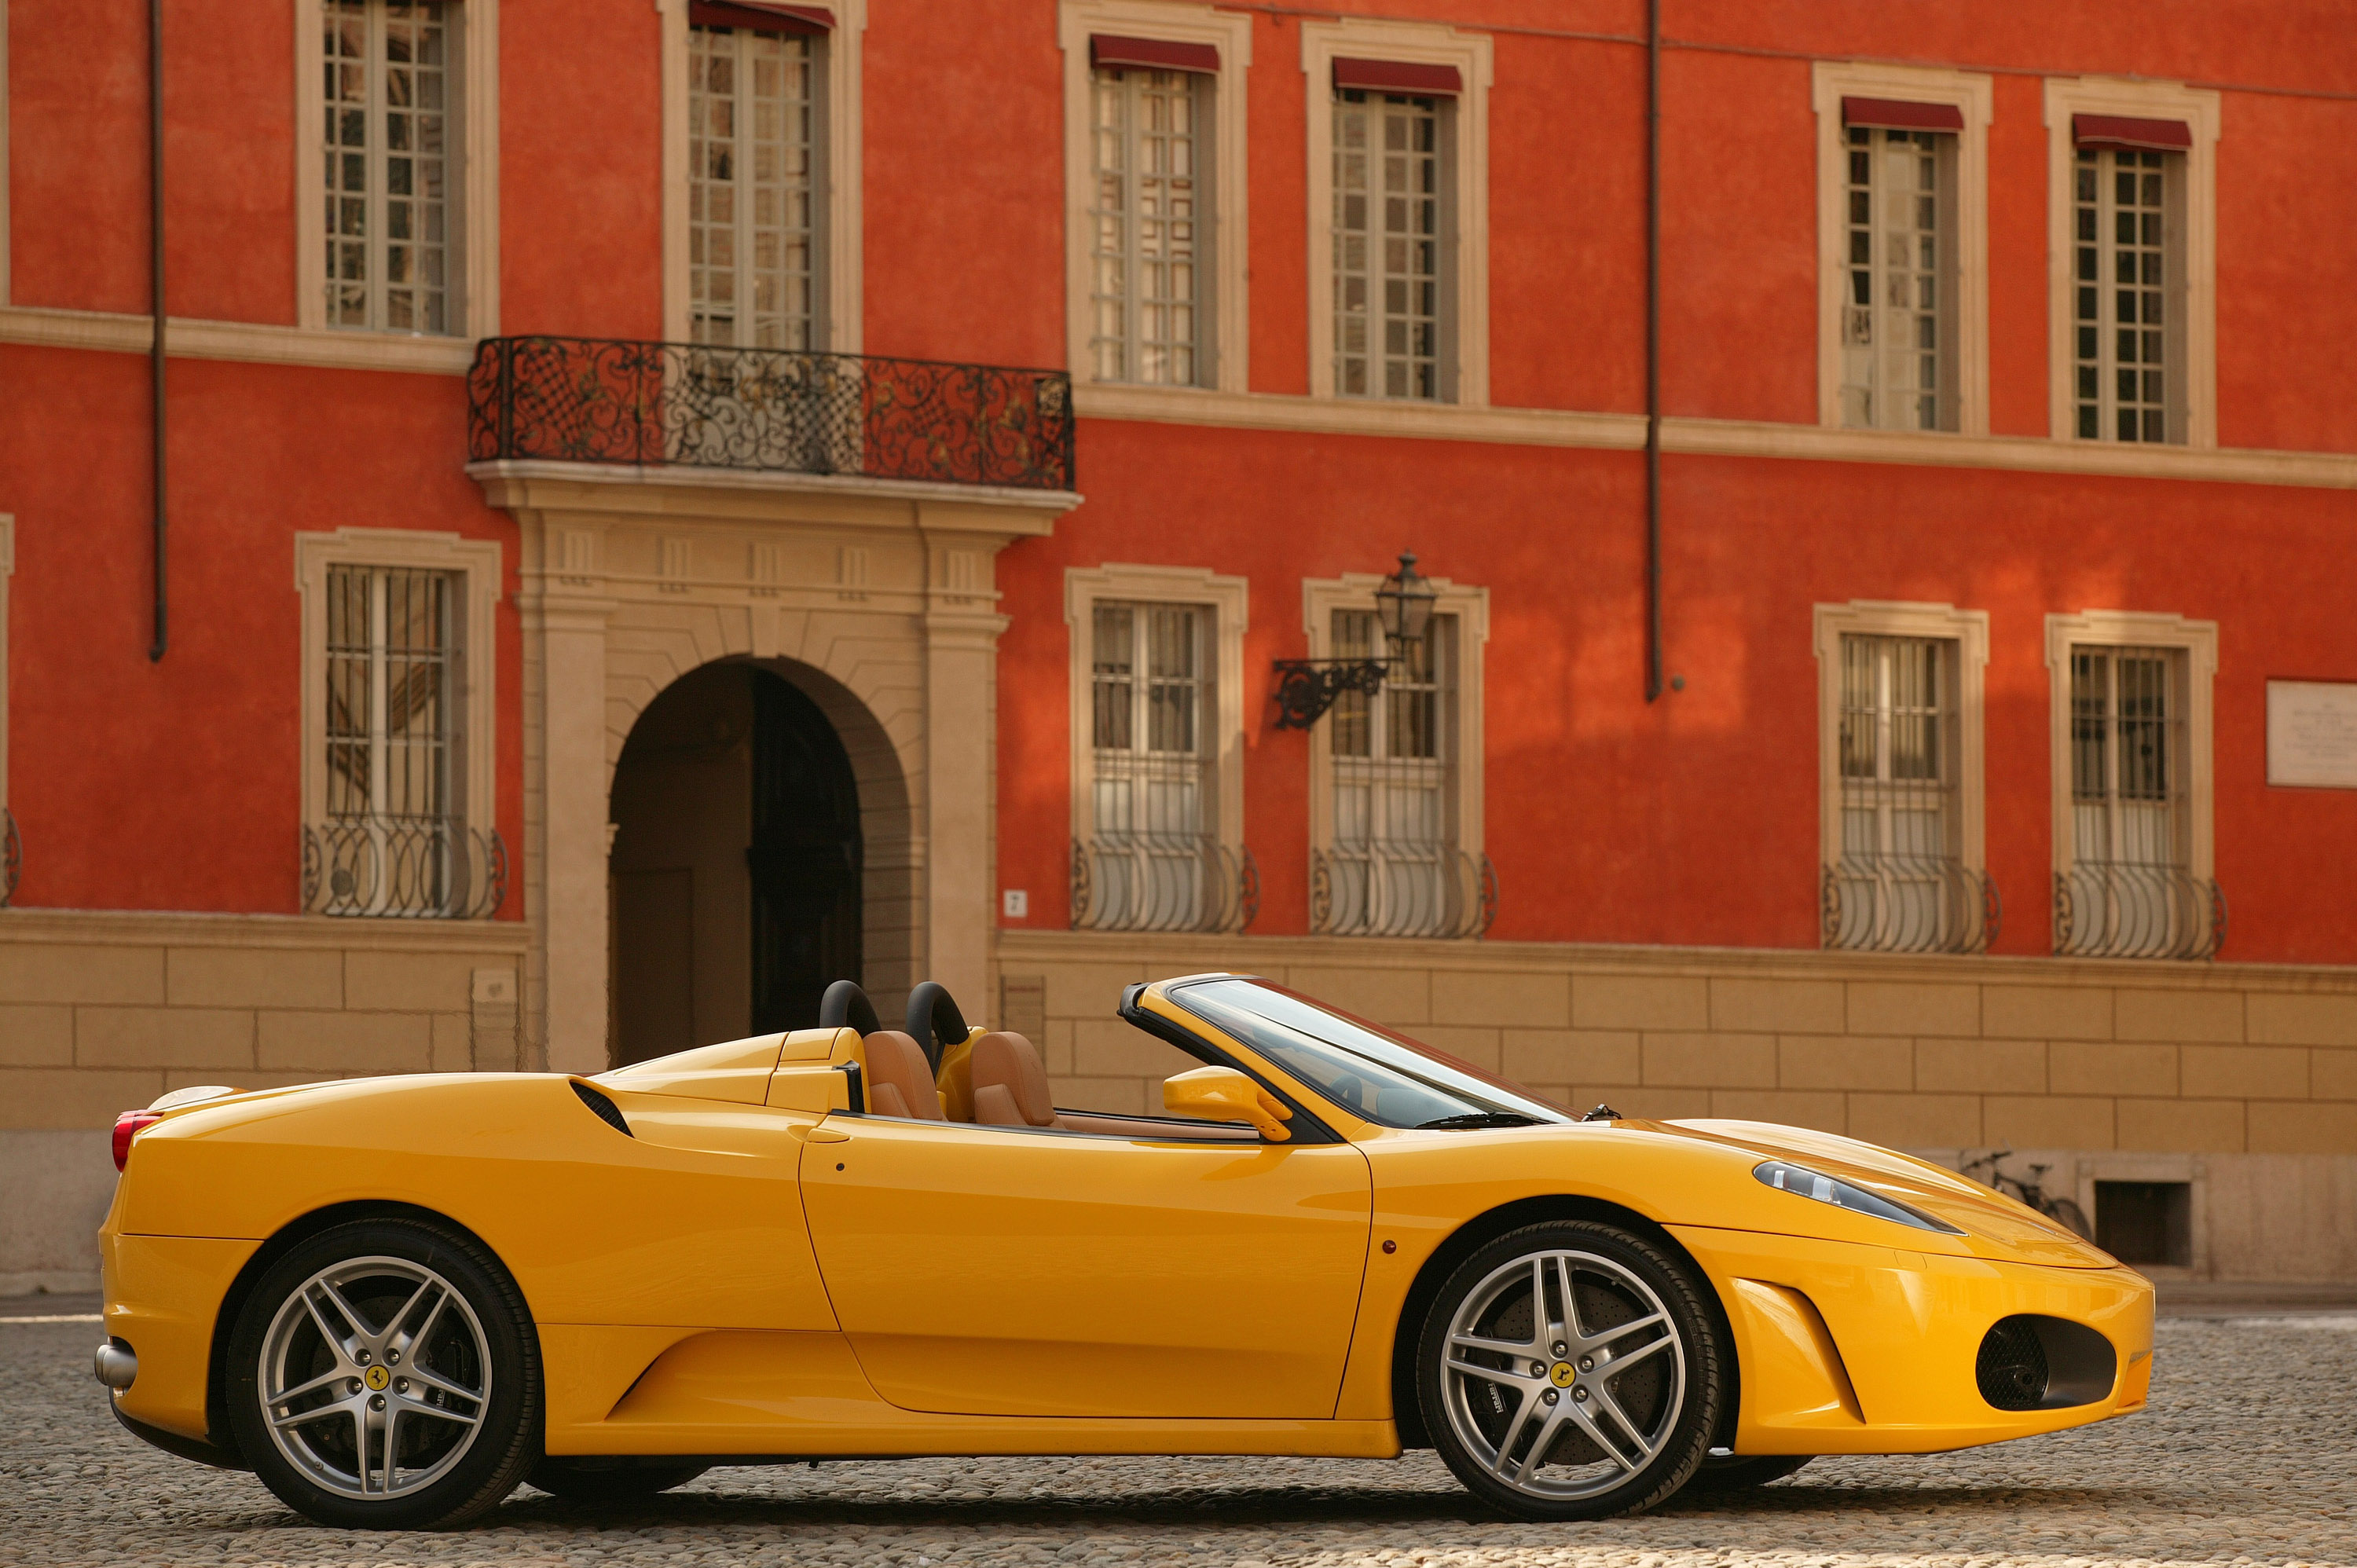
<point>1852,1349</point>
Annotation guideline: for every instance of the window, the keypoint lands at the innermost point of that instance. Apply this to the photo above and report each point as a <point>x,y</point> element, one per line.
<point>1399,284</point>
<point>398,781</point>
<point>2131,224</point>
<point>1395,850</point>
<point>2126,363</point>
<point>1156,815</point>
<point>2132,855</point>
<point>1900,688</point>
<point>1393,244</point>
<point>1902,176</point>
<point>1149,145</point>
<point>391,151</point>
<point>755,252</point>
<point>1898,326</point>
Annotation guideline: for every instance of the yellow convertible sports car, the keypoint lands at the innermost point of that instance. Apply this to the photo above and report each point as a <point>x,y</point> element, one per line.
<point>395,1299</point>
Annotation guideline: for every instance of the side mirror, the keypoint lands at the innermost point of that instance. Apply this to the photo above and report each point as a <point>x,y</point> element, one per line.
<point>1223,1094</point>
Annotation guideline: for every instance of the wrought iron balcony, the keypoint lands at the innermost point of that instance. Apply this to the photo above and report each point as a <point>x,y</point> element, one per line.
<point>1899,903</point>
<point>1162,881</point>
<point>2135,909</point>
<point>403,868</point>
<point>1400,890</point>
<point>580,400</point>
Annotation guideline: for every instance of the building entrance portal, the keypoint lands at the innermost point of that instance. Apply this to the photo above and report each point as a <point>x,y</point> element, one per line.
<point>736,863</point>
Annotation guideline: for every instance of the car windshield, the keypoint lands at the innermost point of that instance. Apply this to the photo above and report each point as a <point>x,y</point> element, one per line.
<point>1386,1077</point>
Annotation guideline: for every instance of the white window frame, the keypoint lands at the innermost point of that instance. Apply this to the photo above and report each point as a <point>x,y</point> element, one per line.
<point>1968,630</point>
<point>1409,43</point>
<point>2198,641</point>
<point>2199,108</point>
<point>1972,94</point>
<point>478,563</point>
<point>841,326</point>
<point>1229,601</point>
<point>1225,216</point>
<point>474,285</point>
<point>1320,597</point>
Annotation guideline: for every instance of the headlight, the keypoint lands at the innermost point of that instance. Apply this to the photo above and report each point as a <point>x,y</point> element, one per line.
<point>1807,1183</point>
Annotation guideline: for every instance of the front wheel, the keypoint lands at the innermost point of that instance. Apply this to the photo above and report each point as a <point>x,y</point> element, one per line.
<point>386,1375</point>
<point>1571,1370</point>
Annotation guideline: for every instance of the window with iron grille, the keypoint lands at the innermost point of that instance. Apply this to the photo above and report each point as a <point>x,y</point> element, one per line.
<point>1393,866</point>
<point>2128,296</point>
<point>1899,319</point>
<point>391,150</point>
<point>1150,251</point>
<point>754,209</point>
<point>393,841</point>
<point>1394,225</point>
<point>2130,886</point>
<point>1900,883</point>
<point>1152,860</point>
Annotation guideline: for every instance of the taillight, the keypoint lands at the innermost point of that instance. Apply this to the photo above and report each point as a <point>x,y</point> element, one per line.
<point>125,1126</point>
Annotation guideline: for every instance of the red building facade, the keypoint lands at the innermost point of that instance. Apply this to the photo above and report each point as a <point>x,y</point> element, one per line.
<point>1966,765</point>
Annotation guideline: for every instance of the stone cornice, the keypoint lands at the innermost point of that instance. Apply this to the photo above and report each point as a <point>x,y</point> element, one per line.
<point>620,492</point>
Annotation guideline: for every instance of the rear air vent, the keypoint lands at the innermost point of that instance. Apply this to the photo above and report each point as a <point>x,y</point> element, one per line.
<point>604,1110</point>
<point>2033,1362</point>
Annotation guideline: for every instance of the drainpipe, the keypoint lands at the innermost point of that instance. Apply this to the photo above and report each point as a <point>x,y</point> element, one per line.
<point>156,290</point>
<point>1652,349</point>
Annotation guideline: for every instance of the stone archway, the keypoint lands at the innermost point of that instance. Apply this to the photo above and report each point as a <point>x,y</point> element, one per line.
<point>875,597</point>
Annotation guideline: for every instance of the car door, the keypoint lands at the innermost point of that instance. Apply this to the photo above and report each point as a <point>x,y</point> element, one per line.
<point>995,1271</point>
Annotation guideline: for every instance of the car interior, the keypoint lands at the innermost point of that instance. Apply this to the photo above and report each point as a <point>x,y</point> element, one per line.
<point>938,1068</point>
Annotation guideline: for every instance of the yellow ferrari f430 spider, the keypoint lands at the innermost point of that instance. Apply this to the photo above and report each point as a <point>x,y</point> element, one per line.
<point>395,1299</point>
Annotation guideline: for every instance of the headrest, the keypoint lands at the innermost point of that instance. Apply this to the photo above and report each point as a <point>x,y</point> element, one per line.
<point>895,1061</point>
<point>1008,1061</point>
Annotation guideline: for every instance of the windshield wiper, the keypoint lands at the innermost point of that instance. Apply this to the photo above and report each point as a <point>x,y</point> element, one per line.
<point>1482,1119</point>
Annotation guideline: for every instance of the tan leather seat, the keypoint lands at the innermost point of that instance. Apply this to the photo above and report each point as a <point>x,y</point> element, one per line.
<point>900,1081</point>
<point>1010,1086</point>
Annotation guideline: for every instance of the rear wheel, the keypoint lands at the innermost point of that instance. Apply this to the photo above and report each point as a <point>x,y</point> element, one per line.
<point>1736,1472</point>
<point>384,1375</point>
<point>607,1481</point>
<point>1571,1370</point>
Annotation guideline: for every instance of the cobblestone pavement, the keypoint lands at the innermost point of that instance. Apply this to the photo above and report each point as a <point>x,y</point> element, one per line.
<point>2248,1454</point>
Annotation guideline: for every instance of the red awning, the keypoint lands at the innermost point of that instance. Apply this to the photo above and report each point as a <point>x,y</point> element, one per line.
<point>761,16</point>
<point>1896,115</point>
<point>1399,76</point>
<point>2136,135</point>
<point>1153,54</point>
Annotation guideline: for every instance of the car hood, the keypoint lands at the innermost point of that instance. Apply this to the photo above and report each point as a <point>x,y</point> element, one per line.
<point>1995,1224</point>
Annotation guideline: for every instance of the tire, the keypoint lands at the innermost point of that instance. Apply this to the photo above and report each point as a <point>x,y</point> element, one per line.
<point>1527,1407</point>
<point>1740,1472</point>
<point>591,1481</point>
<point>415,1350</point>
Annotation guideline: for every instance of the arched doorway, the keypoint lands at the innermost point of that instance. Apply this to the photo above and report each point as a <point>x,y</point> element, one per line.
<point>736,867</point>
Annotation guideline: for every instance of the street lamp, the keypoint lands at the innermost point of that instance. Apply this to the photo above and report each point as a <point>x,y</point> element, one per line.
<point>1306,688</point>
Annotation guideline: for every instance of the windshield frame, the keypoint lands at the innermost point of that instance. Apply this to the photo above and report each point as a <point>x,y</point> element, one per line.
<point>1425,1064</point>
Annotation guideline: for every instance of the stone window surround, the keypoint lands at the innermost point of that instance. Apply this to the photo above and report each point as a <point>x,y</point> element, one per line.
<point>1320,597</point>
<point>1411,43</point>
<point>1968,630</point>
<point>1229,271</point>
<point>2198,640</point>
<point>842,319</point>
<point>1974,95</point>
<point>478,194</point>
<point>478,562</point>
<point>2200,109</point>
<point>1228,600</point>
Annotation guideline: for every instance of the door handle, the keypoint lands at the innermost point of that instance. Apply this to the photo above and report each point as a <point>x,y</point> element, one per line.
<point>825,1136</point>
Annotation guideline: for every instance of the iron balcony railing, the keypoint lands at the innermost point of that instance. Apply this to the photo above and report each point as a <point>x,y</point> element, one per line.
<point>403,868</point>
<point>1909,904</point>
<point>1163,882</point>
<point>1400,890</point>
<point>580,400</point>
<point>2136,910</point>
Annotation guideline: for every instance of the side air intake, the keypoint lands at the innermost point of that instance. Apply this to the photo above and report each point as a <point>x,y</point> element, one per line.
<point>2029,1361</point>
<point>604,1110</point>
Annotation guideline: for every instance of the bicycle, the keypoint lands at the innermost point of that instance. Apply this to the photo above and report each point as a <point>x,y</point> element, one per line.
<point>2031,1193</point>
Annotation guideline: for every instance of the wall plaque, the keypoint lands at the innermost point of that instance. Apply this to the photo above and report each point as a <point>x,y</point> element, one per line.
<point>2312,733</point>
